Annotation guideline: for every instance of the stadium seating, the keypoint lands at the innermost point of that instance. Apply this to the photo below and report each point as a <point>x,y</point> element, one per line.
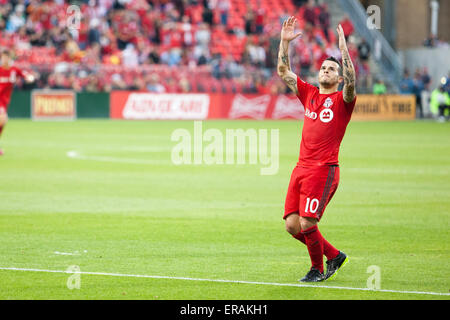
<point>236,39</point>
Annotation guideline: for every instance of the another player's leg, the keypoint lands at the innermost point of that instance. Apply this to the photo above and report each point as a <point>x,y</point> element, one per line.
<point>3,121</point>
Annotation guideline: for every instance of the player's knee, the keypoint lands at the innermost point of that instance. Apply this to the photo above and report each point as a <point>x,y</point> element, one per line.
<point>291,229</point>
<point>292,226</point>
<point>306,223</point>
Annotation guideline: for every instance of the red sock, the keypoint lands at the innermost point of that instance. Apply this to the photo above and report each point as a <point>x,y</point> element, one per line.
<point>1,129</point>
<point>328,250</point>
<point>314,242</point>
<point>300,237</point>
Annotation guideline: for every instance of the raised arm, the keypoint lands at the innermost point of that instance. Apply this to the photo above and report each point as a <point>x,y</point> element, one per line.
<point>284,67</point>
<point>349,91</point>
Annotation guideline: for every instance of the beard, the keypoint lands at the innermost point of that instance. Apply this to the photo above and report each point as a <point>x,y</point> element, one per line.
<point>328,83</point>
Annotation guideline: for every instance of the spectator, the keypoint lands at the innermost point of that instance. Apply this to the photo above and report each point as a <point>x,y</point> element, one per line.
<point>57,81</point>
<point>430,42</point>
<point>259,21</point>
<point>309,15</point>
<point>224,8</point>
<point>207,14</point>
<point>203,36</point>
<point>379,87</point>
<point>256,53</point>
<point>117,82</point>
<point>130,56</point>
<point>93,84</point>
<point>94,32</point>
<point>440,104</point>
<point>324,20</point>
<point>137,85</point>
<point>185,86</point>
<point>426,79</point>
<point>406,84</point>
<point>16,19</point>
<point>153,84</point>
<point>364,50</point>
<point>447,83</point>
<point>418,87</point>
<point>153,56</point>
<point>249,20</point>
<point>347,26</point>
<point>171,57</point>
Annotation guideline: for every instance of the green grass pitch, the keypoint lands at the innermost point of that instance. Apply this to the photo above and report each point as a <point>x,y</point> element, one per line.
<point>120,207</point>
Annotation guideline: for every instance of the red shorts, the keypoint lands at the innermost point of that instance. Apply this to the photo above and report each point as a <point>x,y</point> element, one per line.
<point>310,190</point>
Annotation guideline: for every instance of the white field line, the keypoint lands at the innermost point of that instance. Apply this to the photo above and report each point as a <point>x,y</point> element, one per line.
<point>76,155</point>
<point>228,281</point>
<point>66,253</point>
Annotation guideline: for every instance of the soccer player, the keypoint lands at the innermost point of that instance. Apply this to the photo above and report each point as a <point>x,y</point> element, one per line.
<point>315,178</point>
<point>8,77</point>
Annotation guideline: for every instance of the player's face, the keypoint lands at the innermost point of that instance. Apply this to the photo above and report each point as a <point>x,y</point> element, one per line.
<point>329,73</point>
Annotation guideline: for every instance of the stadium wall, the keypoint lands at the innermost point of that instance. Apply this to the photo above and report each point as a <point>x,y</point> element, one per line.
<point>87,104</point>
<point>20,106</point>
<point>149,106</point>
<point>130,105</point>
<point>93,104</point>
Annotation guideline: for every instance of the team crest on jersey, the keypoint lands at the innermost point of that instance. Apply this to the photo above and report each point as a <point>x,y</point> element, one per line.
<point>328,103</point>
<point>326,115</point>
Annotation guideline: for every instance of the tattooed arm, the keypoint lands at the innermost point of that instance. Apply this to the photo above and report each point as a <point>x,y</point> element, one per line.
<point>349,91</point>
<point>284,67</point>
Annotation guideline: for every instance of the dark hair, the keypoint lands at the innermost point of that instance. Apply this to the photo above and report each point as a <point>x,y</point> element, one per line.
<point>337,61</point>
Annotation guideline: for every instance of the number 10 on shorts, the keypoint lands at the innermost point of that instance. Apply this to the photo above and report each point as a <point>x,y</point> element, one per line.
<point>311,205</point>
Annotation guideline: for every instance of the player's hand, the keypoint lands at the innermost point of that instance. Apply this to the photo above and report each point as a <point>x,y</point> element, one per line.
<point>342,42</point>
<point>288,30</point>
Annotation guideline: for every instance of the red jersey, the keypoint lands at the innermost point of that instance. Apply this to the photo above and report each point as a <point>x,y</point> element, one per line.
<point>8,78</point>
<point>326,119</point>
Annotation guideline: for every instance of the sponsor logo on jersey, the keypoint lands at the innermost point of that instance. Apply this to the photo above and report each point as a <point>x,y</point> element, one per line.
<point>310,114</point>
<point>326,115</point>
<point>328,103</point>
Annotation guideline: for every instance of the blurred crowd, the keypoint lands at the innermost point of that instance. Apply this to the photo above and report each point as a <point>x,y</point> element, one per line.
<point>170,46</point>
<point>419,85</point>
